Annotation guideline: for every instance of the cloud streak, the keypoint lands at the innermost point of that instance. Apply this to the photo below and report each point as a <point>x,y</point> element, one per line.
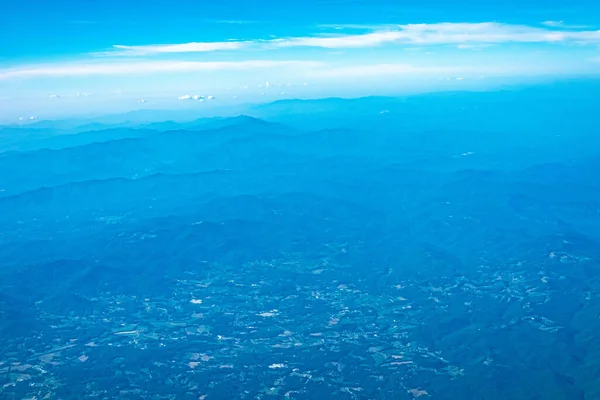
<point>143,67</point>
<point>340,42</point>
<point>389,70</point>
<point>410,34</point>
<point>194,47</point>
<point>561,24</point>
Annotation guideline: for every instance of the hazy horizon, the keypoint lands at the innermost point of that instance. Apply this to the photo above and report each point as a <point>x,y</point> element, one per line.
<point>224,105</point>
<point>111,58</point>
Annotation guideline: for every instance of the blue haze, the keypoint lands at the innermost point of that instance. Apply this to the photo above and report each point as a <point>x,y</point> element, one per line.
<point>441,245</point>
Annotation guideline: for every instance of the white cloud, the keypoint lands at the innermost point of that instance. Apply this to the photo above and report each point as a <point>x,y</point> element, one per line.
<point>370,71</point>
<point>410,34</point>
<point>70,69</point>
<point>356,26</point>
<point>338,42</point>
<point>490,33</point>
<point>561,24</point>
<point>473,46</point>
<point>185,97</point>
<point>554,24</point>
<point>194,47</point>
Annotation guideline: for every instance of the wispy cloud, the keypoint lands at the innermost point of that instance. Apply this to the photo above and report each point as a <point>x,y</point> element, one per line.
<point>340,42</point>
<point>142,67</point>
<point>357,26</point>
<point>400,69</point>
<point>388,70</point>
<point>561,24</point>
<point>369,70</point>
<point>410,34</point>
<point>194,47</point>
<point>473,46</point>
<point>489,33</point>
<point>332,42</point>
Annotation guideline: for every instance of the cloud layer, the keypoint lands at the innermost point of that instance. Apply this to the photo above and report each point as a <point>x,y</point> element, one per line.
<point>143,67</point>
<point>136,60</point>
<point>396,70</point>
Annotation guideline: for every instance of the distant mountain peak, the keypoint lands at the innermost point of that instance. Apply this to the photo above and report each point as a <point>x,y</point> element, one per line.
<point>246,120</point>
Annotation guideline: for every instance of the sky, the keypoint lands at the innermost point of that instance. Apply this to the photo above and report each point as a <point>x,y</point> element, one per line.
<point>73,56</point>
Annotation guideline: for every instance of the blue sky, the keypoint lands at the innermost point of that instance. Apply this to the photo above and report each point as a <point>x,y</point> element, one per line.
<point>83,56</point>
